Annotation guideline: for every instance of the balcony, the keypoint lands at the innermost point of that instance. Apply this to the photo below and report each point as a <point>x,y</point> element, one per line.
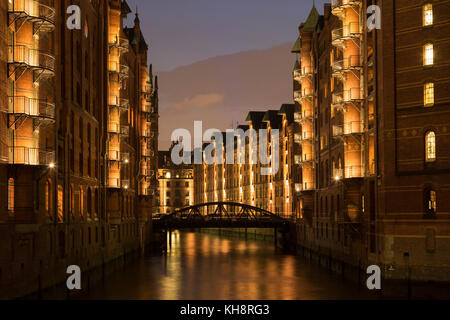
<point>351,31</point>
<point>24,57</point>
<point>305,72</point>
<point>34,11</point>
<point>340,98</point>
<point>147,153</point>
<point>117,102</point>
<point>354,172</point>
<point>31,156</point>
<point>350,64</point>
<point>147,133</point>
<point>300,95</point>
<point>349,128</point>
<point>304,159</point>
<point>121,70</point>
<point>305,186</point>
<point>119,42</point>
<point>146,108</point>
<point>114,183</point>
<point>36,108</point>
<point>338,6</point>
<point>114,155</point>
<point>303,137</point>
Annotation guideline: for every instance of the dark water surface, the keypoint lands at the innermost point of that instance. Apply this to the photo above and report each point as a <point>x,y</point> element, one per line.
<point>202,266</point>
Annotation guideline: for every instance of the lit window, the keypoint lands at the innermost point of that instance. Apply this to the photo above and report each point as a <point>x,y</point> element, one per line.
<point>429,94</point>
<point>428,15</point>
<point>428,54</point>
<point>430,142</point>
<point>432,204</point>
<point>11,194</point>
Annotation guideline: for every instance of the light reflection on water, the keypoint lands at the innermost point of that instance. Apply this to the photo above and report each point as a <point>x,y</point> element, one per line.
<point>202,266</point>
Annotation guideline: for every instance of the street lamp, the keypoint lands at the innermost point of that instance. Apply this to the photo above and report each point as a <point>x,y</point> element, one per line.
<point>51,165</point>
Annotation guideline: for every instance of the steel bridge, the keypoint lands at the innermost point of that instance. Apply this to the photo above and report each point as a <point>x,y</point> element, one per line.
<point>220,215</point>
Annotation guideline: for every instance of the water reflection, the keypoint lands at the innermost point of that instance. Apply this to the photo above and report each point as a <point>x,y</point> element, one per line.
<point>202,266</point>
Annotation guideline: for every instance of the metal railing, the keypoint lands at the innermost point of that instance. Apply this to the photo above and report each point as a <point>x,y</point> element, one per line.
<point>351,127</point>
<point>351,62</point>
<point>118,102</point>
<point>114,183</point>
<point>114,155</point>
<point>33,8</point>
<point>31,106</point>
<point>306,157</point>
<point>119,42</point>
<point>30,156</point>
<point>119,68</point>
<point>353,171</point>
<point>351,95</point>
<point>23,54</point>
<point>339,3</point>
<point>351,30</point>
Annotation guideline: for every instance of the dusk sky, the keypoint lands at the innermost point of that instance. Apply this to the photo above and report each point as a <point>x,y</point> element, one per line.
<point>181,32</point>
<point>217,60</point>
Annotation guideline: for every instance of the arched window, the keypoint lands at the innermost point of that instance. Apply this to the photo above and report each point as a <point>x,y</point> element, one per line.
<point>11,194</point>
<point>430,146</point>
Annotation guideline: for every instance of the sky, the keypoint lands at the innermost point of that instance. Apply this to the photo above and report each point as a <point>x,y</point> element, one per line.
<point>181,32</point>
<point>203,52</point>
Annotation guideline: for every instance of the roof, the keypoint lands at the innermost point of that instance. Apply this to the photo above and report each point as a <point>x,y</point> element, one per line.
<point>297,46</point>
<point>312,20</point>
<point>256,118</point>
<point>288,110</point>
<point>274,118</point>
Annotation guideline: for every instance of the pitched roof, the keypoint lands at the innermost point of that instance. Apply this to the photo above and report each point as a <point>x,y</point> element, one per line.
<point>288,109</point>
<point>256,117</point>
<point>297,46</point>
<point>274,118</point>
<point>312,19</point>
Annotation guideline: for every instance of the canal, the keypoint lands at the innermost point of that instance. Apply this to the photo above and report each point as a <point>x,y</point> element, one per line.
<point>203,266</point>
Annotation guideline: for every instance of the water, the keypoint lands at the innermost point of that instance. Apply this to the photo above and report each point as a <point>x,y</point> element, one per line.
<point>202,266</point>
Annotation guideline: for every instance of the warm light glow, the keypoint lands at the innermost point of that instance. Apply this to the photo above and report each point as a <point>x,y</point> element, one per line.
<point>428,54</point>
<point>51,165</point>
<point>430,140</point>
<point>428,14</point>
<point>429,94</point>
<point>337,178</point>
<point>168,175</point>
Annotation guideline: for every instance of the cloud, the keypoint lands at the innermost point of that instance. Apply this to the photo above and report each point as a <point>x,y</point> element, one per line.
<point>200,101</point>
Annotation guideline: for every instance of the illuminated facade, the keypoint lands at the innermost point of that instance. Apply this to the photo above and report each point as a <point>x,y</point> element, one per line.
<point>243,181</point>
<point>75,109</point>
<point>373,138</point>
<point>176,185</point>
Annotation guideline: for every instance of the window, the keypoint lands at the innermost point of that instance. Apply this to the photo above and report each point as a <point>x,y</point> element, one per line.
<point>48,187</point>
<point>430,201</point>
<point>428,54</point>
<point>430,146</point>
<point>11,194</point>
<point>429,94</point>
<point>428,14</point>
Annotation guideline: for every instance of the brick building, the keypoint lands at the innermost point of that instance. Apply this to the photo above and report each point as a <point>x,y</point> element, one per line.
<point>176,185</point>
<point>78,140</point>
<point>244,181</point>
<point>374,137</point>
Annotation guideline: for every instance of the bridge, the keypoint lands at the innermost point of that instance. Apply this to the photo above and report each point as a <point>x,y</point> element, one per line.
<point>219,215</point>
